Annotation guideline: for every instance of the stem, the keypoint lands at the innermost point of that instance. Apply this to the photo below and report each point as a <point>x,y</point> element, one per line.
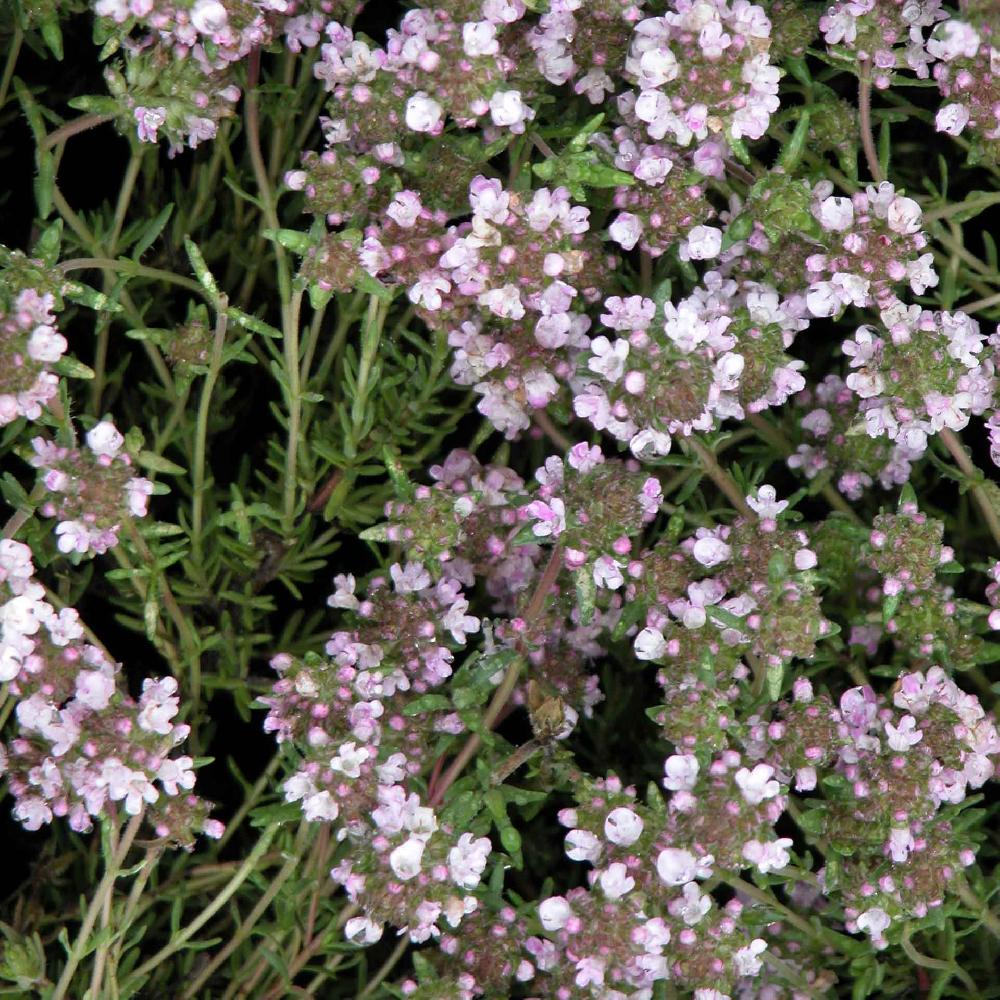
<point>75,127</point>
<point>182,937</point>
<point>556,436</point>
<point>131,269</point>
<point>926,962</point>
<point>387,966</point>
<point>111,247</point>
<point>293,375</point>
<point>8,70</point>
<point>719,476</point>
<point>507,685</point>
<point>104,891</point>
<point>768,900</point>
<point>254,916</point>
<point>865,118</point>
<point>971,899</point>
<point>201,430</point>
<point>975,477</point>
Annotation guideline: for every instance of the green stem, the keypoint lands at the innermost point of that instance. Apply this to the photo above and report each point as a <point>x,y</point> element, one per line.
<point>8,70</point>
<point>132,269</point>
<point>387,966</point>
<point>975,478</point>
<point>201,431</point>
<point>104,890</point>
<point>719,476</point>
<point>255,914</point>
<point>293,376</point>
<point>181,938</point>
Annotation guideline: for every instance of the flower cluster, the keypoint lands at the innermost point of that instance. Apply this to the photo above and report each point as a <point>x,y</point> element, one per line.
<point>745,588</point>
<point>896,770</point>
<point>718,353</point>
<point>178,75</point>
<point>83,745</point>
<point>881,36</point>
<point>509,286</point>
<point>359,719</point>
<point>922,371</point>
<point>702,71</point>
<point>30,345</point>
<point>92,490</point>
<point>593,508</point>
<point>874,243</point>
<point>835,445</point>
<point>966,75</point>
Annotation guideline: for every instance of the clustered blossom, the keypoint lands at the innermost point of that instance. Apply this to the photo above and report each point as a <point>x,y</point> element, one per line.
<point>920,613</point>
<point>510,287</point>
<point>179,71</point>
<point>584,41</point>
<point>361,743</point>
<point>874,243</point>
<point>718,353</point>
<point>91,490</point>
<point>82,745</point>
<point>593,508</point>
<point>702,71</point>
<point>835,445</point>
<point>666,201</point>
<point>730,590</point>
<point>884,35</point>
<point>30,345</point>
<point>897,768</point>
<point>918,373</point>
<point>967,76</point>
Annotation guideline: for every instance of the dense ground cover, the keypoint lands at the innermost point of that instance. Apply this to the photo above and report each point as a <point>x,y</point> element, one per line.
<point>500,499</point>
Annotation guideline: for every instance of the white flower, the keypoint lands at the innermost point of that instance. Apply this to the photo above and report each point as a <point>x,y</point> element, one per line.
<point>554,912</point>
<point>362,930</point>
<point>900,844</point>
<point>904,216</point>
<point>423,113</point>
<point>836,214</point>
<point>582,845</point>
<point>758,784</point>
<point>766,504</point>
<point>905,735</point>
<point>952,119</point>
<point>405,859</point>
<point>675,866</point>
<point>609,358</point>
<point>615,881</point>
<point>209,16</point>
<point>649,644</point>
<point>479,38</point>
<point>508,110</point>
<point>349,759</point>
<point>94,689</point>
<point>681,772</point>
<point>768,856</point>
<point>622,826</point>
<point>467,859</point>
<point>702,243</point>
<point>747,960</point>
<point>626,230</point>
<point>320,807</point>
<point>874,922</point>
<point>710,551</point>
<point>105,439</point>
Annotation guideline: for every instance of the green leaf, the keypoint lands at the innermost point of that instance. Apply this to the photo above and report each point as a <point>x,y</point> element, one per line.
<point>71,368</point>
<point>152,231</point>
<point>150,460</point>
